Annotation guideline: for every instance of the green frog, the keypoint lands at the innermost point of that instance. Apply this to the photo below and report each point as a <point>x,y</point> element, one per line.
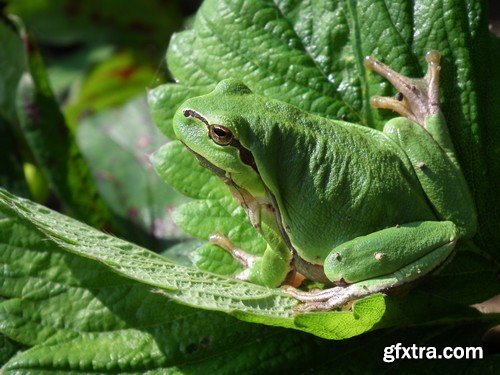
<point>360,210</point>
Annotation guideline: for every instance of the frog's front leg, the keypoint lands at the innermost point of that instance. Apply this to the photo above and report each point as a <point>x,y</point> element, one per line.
<point>419,98</point>
<point>381,261</point>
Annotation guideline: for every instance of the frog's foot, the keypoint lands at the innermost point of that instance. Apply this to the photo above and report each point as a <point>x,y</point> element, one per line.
<point>417,98</point>
<point>245,259</point>
<point>328,299</point>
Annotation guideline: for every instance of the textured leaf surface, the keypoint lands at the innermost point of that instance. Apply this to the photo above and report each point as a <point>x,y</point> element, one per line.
<point>76,316</point>
<point>310,54</point>
<point>184,284</point>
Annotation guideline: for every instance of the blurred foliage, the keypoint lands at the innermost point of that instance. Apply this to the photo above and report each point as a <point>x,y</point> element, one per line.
<point>98,64</point>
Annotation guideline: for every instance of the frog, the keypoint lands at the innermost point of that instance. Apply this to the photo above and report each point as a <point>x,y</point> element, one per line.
<point>357,210</point>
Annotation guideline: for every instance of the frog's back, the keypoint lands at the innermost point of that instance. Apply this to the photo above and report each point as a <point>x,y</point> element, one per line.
<point>336,181</point>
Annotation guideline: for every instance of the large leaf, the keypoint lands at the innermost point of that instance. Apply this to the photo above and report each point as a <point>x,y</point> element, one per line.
<point>310,54</point>
<point>284,50</point>
<point>251,302</point>
<point>74,315</point>
<point>184,284</point>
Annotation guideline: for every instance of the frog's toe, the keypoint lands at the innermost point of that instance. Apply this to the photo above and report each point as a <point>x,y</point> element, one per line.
<point>325,300</point>
<point>316,295</point>
<point>313,306</point>
<point>332,298</point>
<point>240,255</point>
<point>416,98</point>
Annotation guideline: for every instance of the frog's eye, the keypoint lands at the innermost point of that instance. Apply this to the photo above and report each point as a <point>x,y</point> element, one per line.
<point>220,135</point>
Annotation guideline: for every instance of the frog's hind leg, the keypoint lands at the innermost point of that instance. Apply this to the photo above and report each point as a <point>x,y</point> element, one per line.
<point>381,261</point>
<point>417,98</point>
<point>332,298</point>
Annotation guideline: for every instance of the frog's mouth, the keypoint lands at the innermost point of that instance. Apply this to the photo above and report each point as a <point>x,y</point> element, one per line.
<point>208,165</point>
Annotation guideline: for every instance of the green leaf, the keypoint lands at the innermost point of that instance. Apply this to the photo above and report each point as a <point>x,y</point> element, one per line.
<point>245,301</point>
<point>211,258</point>
<point>182,284</point>
<point>110,83</point>
<point>310,54</point>
<point>172,163</point>
<point>116,144</point>
<point>75,315</point>
<point>7,349</point>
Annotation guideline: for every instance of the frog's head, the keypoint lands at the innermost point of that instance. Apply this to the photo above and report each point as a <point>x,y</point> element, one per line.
<point>210,127</point>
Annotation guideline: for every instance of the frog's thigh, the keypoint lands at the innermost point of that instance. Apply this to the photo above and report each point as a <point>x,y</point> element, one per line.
<point>438,174</point>
<point>421,245</point>
<point>329,299</point>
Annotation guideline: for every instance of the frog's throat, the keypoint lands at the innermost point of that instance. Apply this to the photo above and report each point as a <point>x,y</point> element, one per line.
<point>243,196</point>
<point>247,200</point>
